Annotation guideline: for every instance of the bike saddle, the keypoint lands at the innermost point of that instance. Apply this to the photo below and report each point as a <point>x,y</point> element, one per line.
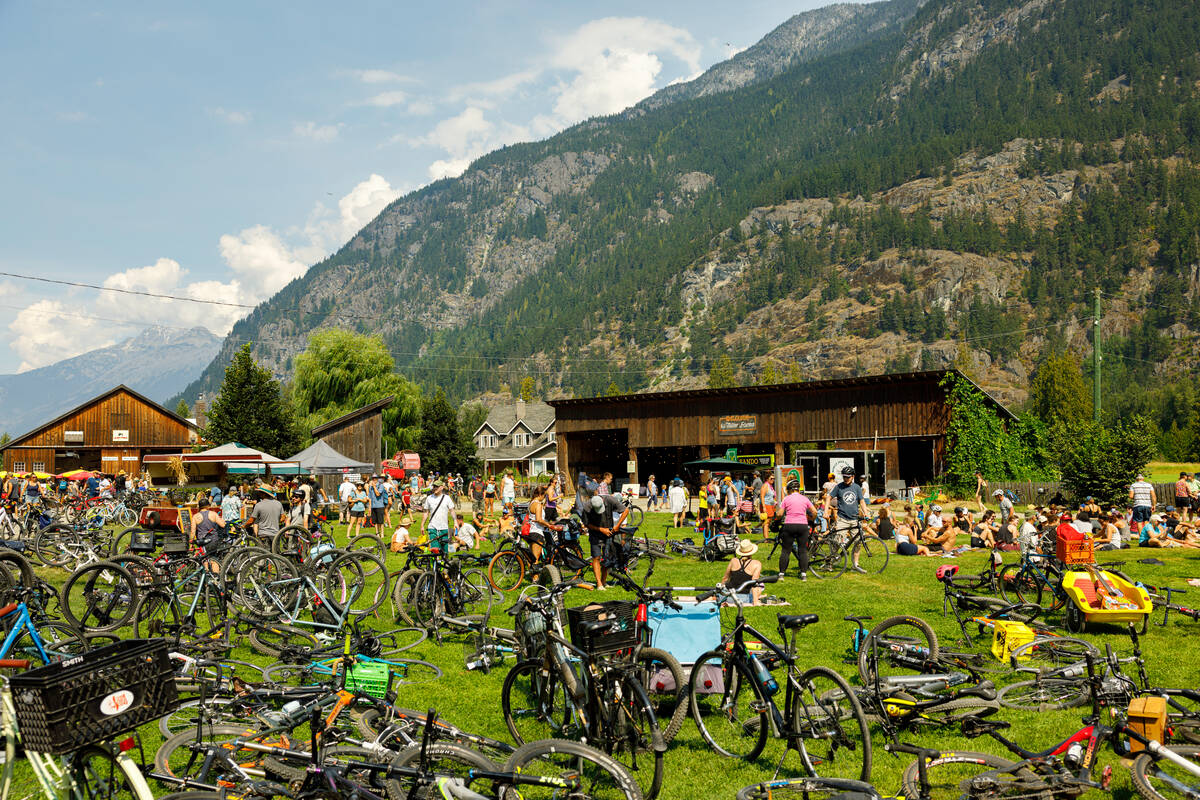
<point>796,620</point>
<point>984,690</point>
<point>946,571</point>
<point>973,727</point>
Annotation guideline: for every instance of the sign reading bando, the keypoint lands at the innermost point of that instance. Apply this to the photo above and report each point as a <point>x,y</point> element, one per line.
<point>737,424</point>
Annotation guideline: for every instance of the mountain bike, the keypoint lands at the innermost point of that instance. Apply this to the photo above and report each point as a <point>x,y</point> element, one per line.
<point>732,696</point>
<point>832,554</point>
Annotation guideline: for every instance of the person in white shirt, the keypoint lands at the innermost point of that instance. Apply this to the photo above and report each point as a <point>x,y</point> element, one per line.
<point>436,521</point>
<point>677,496</point>
<point>651,494</point>
<point>1027,539</point>
<point>508,490</point>
<point>400,539</point>
<point>466,535</point>
<point>345,492</point>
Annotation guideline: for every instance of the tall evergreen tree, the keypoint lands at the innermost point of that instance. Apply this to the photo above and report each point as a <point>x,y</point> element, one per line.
<point>444,445</point>
<point>1058,395</point>
<point>721,375</point>
<point>250,409</point>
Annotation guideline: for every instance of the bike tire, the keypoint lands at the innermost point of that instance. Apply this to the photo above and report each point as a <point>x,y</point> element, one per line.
<point>476,595</point>
<point>1051,652</point>
<point>833,737</point>
<point>370,543</point>
<point>1154,779</point>
<point>1044,695</point>
<point>59,641</point>
<point>368,564</point>
<point>637,734</point>
<point>826,558</point>
<point>636,515</point>
<point>174,756</point>
<point>272,640</point>
<point>725,700</point>
<point>534,703</point>
<point>158,617</point>
<point>428,601</point>
<point>402,595</point>
<point>214,710</point>
<point>871,555</point>
<point>442,758</point>
<point>1016,586</point>
<point>99,598</point>
<point>506,570</point>
<point>98,775</point>
<point>665,683</point>
<point>900,630</point>
<point>264,584</point>
<point>294,542</point>
<point>947,771</point>
<point>809,789</point>
<point>599,775</point>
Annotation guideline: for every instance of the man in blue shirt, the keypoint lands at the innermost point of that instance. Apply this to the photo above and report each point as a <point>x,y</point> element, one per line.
<point>93,486</point>
<point>848,498</point>
<point>379,499</point>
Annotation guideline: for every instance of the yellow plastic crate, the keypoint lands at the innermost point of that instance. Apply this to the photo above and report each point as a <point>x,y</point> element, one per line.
<point>1008,636</point>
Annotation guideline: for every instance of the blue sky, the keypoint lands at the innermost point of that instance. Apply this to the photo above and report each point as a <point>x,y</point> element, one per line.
<point>216,150</point>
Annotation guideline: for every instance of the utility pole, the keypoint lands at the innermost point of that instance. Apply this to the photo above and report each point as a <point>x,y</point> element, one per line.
<point>1096,356</point>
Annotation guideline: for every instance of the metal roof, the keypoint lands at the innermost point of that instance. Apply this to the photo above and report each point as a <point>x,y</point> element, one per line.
<point>358,412</point>
<point>782,388</point>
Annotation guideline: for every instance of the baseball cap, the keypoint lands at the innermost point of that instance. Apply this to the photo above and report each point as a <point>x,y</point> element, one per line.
<point>998,493</point>
<point>1066,517</point>
<point>1155,518</point>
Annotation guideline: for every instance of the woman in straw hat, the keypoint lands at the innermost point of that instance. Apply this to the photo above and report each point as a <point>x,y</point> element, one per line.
<point>742,568</point>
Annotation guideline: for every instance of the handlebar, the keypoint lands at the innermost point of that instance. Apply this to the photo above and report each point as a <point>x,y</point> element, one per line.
<point>14,663</point>
<point>8,609</point>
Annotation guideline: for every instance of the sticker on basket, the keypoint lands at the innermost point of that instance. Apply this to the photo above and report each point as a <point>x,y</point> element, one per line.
<point>116,703</point>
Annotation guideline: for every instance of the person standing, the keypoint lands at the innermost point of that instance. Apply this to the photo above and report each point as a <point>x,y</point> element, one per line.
<point>345,492</point>
<point>1194,493</point>
<point>358,510</point>
<point>677,496</point>
<point>553,496</point>
<point>436,520</point>
<point>981,486</point>
<point>598,517</point>
<point>1183,495</point>
<point>476,491</point>
<point>766,504</point>
<point>1006,505</point>
<point>797,512</point>
<point>231,506</point>
<point>266,515</point>
<point>508,490</point>
<point>651,494</point>
<point>378,496</point>
<point>847,498</point>
<point>489,494</point>
<point>1141,493</point>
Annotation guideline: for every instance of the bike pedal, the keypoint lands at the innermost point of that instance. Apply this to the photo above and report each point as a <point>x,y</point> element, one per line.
<point>759,707</point>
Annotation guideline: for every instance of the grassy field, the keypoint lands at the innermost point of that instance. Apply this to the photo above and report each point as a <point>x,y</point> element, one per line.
<point>472,700</point>
<point>1168,471</point>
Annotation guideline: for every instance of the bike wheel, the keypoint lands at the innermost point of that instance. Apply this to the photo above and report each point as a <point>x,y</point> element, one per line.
<point>1163,779</point>
<point>881,650</point>
<point>665,683</point>
<point>871,555</point>
<point>402,595</point>
<point>534,703</point>
<point>728,706</point>
<point>834,739</point>
<point>410,671</point>
<point>52,546</point>
<point>294,541</point>
<point>158,616</point>
<point>1018,586</point>
<point>599,777</point>
<point>809,789</point>
<point>1044,695</point>
<point>100,597</point>
<point>506,570</point>
<point>635,517</point>
<point>365,563</point>
<point>397,640</point>
<point>97,775</point>
<point>444,759</point>
<point>476,594</point>
<point>950,776</point>
<point>183,755</point>
<point>1051,652</point>
<point>428,602</point>
<point>127,516</point>
<point>266,584</point>
<point>213,711</point>
<point>273,640</point>
<point>632,735</point>
<point>369,543</point>
<point>826,558</point>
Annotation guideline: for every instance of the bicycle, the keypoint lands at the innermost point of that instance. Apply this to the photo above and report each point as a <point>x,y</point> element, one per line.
<point>830,555</point>
<point>732,697</point>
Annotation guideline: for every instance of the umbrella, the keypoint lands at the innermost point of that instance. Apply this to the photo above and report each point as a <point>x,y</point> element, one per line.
<point>77,475</point>
<point>720,464</point>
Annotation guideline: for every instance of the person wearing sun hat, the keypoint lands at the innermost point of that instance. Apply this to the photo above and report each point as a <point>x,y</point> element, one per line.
<point>742,568</point>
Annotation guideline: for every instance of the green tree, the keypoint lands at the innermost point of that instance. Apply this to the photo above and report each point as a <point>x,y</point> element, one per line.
<point>1058,395</point>
<point>183,410</point>
<point>613,390</point>
<point>721,374</point>
<point>1102,461</point>
<point>250,409</point>
<point>444,445</point>
<point>471,416</point>
<point>341,371</point>
<point>5,438</point>
<point>527,387</point>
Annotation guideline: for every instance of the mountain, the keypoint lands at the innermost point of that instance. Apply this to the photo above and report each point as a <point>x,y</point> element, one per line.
<point>915,185</point>
<point>158,362</point>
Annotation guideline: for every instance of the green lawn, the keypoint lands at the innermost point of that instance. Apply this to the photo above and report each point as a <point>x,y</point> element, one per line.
<point>1168,472</point>
<point>472,700</point>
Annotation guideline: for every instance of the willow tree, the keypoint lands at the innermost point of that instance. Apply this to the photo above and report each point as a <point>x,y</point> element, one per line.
<point>341,371</point>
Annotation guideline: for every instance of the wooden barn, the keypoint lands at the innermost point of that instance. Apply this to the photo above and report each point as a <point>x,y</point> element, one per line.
<point>359,434</point>
<point>892,427</point>
<point>108,433</point>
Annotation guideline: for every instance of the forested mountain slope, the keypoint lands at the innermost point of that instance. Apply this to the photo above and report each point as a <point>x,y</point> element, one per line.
<point>950,189</point>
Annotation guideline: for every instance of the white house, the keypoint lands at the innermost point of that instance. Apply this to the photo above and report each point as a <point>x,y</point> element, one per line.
<point>520,436</point>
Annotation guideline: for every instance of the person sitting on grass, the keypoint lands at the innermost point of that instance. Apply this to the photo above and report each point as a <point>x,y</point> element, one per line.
<point>1010,531</point>
<point>742,568</point>
<point>984,532</point>
<point>1154,534</point>
<point>1108,537</point>
<point>466,535</point>
<point>938,535</point>
<point>906,544</point>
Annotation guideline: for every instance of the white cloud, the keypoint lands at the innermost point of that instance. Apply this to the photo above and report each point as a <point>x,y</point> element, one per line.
<point>387,99</point>
<point>499,87</point>
<point>380,76</point>
<point>232,117</point>
<point>420,108</point>
<point>261,260</point>
<point>327,231</point>
<point>48,331</point>
<point>318,133</point>
<point>465,137</point>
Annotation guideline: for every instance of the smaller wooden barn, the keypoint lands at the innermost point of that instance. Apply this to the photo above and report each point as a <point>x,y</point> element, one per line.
<point>359,434</point>
<point>109,433</point>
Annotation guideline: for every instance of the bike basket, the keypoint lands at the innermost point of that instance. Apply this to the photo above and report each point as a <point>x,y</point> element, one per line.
<point>622,634</point>
<point>532,623</point>
<point>94,697</point>
<point>175,544</point>
<point>1008,636</point>
<point>141,542</point>
<point>371,677</point>
<point>1075,551</point>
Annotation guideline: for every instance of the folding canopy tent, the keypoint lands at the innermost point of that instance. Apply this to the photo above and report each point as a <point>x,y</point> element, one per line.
<point>243,460</point>
<point>321,459</point>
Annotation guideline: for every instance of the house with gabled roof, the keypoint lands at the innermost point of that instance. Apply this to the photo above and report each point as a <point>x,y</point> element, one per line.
<point>518,436</point>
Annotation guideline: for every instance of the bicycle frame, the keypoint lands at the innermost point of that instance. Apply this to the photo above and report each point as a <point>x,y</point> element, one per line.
<point>292,615</point>
<point>24,623</point>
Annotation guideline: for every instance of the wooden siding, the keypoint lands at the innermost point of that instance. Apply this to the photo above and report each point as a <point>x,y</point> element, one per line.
<point>149,429</point>
<point>360,439</point>
<point>820,415</point>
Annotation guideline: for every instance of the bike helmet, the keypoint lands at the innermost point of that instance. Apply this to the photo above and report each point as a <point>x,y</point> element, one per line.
<point>793,485</point>
<point>848,471</point>
<point>935,507</point>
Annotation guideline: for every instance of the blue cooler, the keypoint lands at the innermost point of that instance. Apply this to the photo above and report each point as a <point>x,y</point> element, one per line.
<point>686,634</point>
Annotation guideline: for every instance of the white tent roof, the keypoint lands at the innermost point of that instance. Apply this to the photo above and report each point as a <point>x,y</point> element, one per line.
<point>232,450</point>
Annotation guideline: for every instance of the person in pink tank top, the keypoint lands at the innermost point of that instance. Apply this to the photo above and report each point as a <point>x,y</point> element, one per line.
<point>798,513</point>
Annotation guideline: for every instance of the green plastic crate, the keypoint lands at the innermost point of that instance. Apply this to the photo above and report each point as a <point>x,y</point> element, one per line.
<point>371,677</point>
